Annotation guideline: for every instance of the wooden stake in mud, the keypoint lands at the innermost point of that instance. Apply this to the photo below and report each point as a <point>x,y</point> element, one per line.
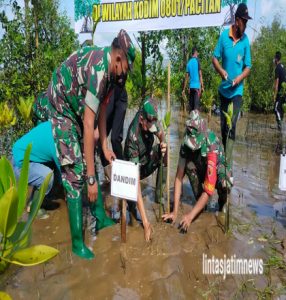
<point>123,222</point>
<point>168,139</point>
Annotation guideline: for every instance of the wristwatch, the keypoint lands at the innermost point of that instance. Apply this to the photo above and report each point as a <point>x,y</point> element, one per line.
<point>91,180</point>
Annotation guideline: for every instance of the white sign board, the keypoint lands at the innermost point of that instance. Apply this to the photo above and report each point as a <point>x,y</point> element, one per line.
<point>282,173</point>
<point>124,179</point>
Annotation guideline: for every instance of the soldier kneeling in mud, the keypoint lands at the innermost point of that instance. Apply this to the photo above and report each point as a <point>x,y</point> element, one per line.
<point>203,160</point>
<point>139,149</point>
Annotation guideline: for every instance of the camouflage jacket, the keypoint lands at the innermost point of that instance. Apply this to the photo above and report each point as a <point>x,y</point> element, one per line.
<point>139,143</point>
<point>199,157</point>
<point>81,80</point>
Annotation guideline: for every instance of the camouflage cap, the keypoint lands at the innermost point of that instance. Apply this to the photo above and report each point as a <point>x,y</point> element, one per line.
<point>196,130</point>
<point>127,46</point>
<point>150,109</point>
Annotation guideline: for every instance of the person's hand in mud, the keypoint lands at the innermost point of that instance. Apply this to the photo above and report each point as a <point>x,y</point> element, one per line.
<point>185,223</point>
<point>170,218</point>
<point>92,192</point>
<point>148,230</point>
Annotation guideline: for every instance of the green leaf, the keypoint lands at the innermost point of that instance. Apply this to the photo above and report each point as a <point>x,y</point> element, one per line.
<point>7,176</point>
<point>1,189</point>
<point>8,209</point>
<point>23,182</point>
<point>4,296</point>
<point>230,110</point>
<point>17,240</point>
<point>36,204</point>
<point>164,125</point>
<point>32,256</point>
<point>228,119</point>
<point>167,118</point>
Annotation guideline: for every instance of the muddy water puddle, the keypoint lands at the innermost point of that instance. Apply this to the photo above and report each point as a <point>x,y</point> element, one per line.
<point>170,266</point>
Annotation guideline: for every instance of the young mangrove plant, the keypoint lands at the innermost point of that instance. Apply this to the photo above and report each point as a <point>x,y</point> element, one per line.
<point>166,123</point>
<point>7,116</point>
<point>228,155</point>
<point>25,108</point>
<point>15,232</point>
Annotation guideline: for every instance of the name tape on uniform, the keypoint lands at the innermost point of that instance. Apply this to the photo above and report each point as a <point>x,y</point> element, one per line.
<point>124,179</point>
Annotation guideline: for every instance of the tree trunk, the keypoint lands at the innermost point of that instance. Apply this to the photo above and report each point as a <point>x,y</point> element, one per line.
<point>143,66</point>
<point>36,32</point>
<point>35,4</point>
<point>26,18</point>
<point>184,62</point>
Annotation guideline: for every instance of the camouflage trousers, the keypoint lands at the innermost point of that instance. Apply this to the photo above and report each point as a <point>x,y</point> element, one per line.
<point>69,146</point>
<point>152,162</point>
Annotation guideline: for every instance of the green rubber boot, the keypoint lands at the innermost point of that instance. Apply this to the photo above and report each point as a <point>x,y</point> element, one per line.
<point>75,218</point>
<point>98,211</point>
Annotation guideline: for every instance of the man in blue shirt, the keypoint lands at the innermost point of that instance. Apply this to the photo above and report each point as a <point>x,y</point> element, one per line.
<point>233,49</point>
<point>195,78</point>
<point>43,153</point>
<point>279,97</point>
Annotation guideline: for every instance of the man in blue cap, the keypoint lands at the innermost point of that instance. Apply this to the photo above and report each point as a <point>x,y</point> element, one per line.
<point>233,49</point>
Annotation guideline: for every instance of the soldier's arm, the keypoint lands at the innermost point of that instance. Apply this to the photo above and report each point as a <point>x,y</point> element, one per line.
<point>132,150</point>
<point>88,141</point>
<point>109,155</point>
<point>159,132</point>
<point>141,208</point>
<point>189,217</point>
<point>132,153</point>
<point>177,190</point>
<point>209,186</point>
<point>161,136</point>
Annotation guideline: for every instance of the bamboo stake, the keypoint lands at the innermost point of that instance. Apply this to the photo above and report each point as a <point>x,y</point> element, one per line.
<point>123,221</point>
<point>168,140</point>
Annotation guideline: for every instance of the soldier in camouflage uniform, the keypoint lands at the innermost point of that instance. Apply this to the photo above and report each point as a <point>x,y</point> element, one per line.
<point>139,148</point>
<point>203,160</point>
<point>79,90</point>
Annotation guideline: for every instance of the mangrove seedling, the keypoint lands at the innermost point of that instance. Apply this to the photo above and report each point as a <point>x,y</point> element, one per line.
<point>166,123</point>
<point>228,116</point>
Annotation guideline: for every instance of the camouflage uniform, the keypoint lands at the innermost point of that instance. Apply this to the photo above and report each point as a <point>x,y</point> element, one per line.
<point>198,142</point>
<point>139,147</point>
<point>81,80</point>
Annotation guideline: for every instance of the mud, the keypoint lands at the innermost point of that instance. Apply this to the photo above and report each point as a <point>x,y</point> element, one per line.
<point>170,266</point>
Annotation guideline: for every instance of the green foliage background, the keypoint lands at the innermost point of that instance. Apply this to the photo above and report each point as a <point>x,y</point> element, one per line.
<point>24,68</point>
<point>38,38</point>
<point>35,41</point>
<point>270,39</point>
